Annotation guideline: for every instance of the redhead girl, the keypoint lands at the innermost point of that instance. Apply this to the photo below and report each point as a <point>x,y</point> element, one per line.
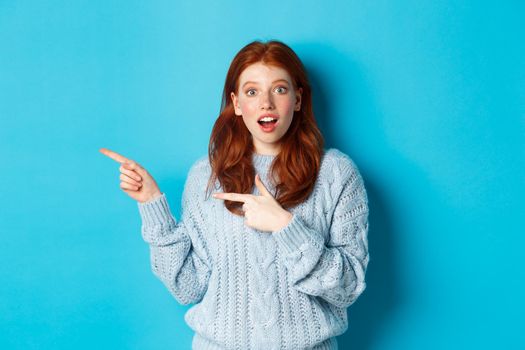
<point>271,247</point>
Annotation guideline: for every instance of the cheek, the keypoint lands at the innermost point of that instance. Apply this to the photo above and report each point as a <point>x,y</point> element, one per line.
<point>288,106</point>
<point>248,107</point>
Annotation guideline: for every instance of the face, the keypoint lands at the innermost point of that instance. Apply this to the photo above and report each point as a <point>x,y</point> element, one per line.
<point>266,90</point>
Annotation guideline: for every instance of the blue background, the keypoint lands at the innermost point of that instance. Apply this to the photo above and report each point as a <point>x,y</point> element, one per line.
<point>427,97</point>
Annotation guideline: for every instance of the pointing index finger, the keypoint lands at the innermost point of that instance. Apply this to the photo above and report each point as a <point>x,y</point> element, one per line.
<point>114,155</point>
<point>236,197</point>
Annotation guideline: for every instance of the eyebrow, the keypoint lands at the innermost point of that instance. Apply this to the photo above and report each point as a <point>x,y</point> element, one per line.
<point>275,81</point>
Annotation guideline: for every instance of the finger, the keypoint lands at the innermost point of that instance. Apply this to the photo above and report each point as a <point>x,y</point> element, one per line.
<point>262,189</point>
<point>130,173</point>
<point>113,155</point>
<point>245,207</point>
<point>236,197</point>
<point>129,180</point>
<point>132,165</point>
<point>127,186</point>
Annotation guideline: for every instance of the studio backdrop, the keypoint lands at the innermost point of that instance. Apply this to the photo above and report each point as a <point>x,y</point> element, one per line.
<point>427,97</point>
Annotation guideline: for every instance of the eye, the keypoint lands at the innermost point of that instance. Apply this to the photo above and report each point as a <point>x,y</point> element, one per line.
<point>281,89</point>
<point>250,90</point>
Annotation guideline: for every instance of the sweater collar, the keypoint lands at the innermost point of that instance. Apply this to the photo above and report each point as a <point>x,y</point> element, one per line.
<point>262,161</point>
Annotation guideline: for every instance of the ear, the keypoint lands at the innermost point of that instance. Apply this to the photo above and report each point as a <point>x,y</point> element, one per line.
<point>235,101</point>
<point>298,96</point>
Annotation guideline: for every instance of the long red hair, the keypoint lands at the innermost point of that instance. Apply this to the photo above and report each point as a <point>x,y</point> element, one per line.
<point>231,147</point>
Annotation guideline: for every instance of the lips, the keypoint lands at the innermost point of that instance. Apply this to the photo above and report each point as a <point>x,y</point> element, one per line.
<point>268,122</point>
<point>274,116</point>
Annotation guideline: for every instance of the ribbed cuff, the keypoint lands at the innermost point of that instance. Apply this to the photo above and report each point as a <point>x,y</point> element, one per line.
<point>296,234</point>
<point>155,211</point>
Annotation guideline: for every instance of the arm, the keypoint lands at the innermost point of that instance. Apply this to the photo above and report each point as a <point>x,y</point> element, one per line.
<point>178,255</point>
<point>336,271</point>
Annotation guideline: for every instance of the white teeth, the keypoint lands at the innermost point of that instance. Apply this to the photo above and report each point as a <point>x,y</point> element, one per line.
<point>267,119</point>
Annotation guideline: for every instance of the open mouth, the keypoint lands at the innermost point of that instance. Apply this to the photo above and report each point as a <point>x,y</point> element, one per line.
<point>267,121</point>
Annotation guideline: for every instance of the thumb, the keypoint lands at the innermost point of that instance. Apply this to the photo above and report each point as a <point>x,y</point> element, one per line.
<point>262,189</point>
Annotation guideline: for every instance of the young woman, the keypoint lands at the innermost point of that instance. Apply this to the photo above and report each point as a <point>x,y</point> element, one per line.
<point>275,257</point>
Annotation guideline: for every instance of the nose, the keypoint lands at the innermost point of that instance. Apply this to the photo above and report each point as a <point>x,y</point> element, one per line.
<point>266,101</point>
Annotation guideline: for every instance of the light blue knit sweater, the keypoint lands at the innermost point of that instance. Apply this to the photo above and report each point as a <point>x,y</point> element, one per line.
<point>257,290</point>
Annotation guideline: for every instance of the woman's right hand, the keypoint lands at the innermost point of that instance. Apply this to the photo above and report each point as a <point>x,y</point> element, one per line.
<point>136,181</point>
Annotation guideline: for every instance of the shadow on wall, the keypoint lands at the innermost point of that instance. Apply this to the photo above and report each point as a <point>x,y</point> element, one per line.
<point>337,81</point>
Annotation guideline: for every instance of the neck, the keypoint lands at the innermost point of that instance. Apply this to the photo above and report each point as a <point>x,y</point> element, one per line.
<point>266,149</point>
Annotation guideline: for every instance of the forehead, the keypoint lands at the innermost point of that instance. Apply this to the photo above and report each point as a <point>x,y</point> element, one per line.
<point>261,73</point>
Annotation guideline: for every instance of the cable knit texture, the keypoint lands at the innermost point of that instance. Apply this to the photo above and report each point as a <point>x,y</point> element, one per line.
<point>287,289</point>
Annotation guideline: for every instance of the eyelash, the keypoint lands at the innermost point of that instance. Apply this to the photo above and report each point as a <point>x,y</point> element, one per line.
<point>279,87</point>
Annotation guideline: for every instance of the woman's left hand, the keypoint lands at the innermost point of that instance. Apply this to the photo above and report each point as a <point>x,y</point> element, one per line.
<point>261,212</point>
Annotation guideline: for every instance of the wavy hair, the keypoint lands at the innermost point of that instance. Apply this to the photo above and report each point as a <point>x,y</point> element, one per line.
<point>294,170</point>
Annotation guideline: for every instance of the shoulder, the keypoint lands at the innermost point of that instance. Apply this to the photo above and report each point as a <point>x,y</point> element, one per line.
<point>339,167</point>
<point>198,176</point>
<point>346,187</point>
<point>200,166</point>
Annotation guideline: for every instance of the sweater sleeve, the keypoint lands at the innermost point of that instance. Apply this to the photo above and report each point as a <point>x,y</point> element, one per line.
<point>334,271</point>
<point>177,249</point>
